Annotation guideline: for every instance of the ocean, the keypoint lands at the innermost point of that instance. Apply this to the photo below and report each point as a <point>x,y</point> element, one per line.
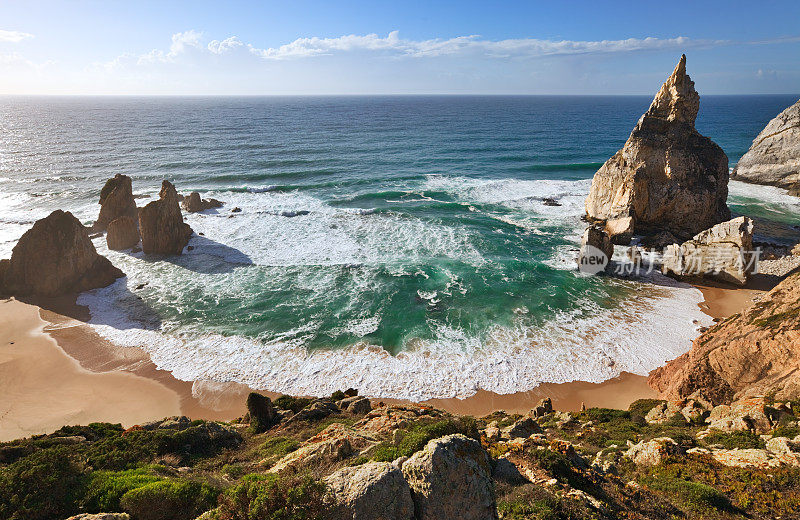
<point>411,247</point>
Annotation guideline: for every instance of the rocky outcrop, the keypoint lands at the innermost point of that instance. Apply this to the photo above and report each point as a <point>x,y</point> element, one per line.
<point>653,452</point>
<point>724,253</point>
<point>56,257</point>
<point>123,233</point>
<point>101,516</point>
<point>262,414</point>
<point>161,224</point>
<point>753,353</point>
<point>596,251</point>
<point>667,176</point>
<point>451,478</point>
<point>356,404</point>
<point>116,200</point>
<point>774,156</point>
<point>193,203</point>
<point>372,491</point>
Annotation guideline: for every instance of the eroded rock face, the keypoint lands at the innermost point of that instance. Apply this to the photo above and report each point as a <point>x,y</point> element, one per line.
<point>193,203</point>
<point>774,156</point>
<point>653,452</point>
<point>451,478</point>
<point>595,239</point>
<point>116,200</point>
<point>123,233</point>
<point>56,257</point>
<point>723,252</point>
<point>372,491</point>
<point>161,224</point>
<point>667,176</point>
<point>753,353</point>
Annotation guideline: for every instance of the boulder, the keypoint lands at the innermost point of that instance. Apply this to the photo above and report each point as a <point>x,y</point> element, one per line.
<point>262,413</point>
<point>723,252</point>
<point>746,414</point>
<point>56,257</point>
<point>524,428</point>
<point>667,176</point>
<point>620,230</point>
<point>451,478</point>
<point>774,156</point>
<point>315,411</point>
<point>596,250</point>
<point>544,407</point>
<point>116,200</point>
<point>333,444</point>
<point>356,404</point>
<point>161,224</point>
<point>372,491</point>
<point>193,203</point>
<point>755,352</point>
<point>123,233</point>
<point>653,452</point>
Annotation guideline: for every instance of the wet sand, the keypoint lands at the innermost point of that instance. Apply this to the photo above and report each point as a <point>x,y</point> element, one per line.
<point>59,371</point>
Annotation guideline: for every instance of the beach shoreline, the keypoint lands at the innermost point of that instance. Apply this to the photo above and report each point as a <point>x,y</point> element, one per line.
<point>54,332</point>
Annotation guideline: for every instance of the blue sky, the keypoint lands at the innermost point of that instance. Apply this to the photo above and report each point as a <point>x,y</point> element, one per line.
<point>409,47</point>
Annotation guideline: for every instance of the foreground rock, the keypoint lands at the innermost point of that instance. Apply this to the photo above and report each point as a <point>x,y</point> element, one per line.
<point>116,200</point>
<point>723,252</point>
<point>193,203</point>
<point>55,257</point>
<point>774,156</point>
<point>161,224</point>
<point>753,353</point>
<point>667,176</point>
<point>653,452</point>
<point>451,478</point>
<point>123,233</point>
<point>372,491</point>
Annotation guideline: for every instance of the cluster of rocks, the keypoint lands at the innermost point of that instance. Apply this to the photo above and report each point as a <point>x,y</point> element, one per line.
<point>194,204</point>
<point>56,256</point>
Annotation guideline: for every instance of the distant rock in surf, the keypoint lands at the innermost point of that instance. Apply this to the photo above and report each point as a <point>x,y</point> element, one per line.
<point>123,233</point>
<point>667,176</point>
<point>193,203</point>
<point>55,257</point>
<point>116,200</point>
<point>774,156</point>
<point>161,224</point>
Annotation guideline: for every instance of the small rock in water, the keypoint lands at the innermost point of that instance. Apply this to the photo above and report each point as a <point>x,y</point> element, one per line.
<point>141,286</point>
<point>550,202</point>
<point>236,210</point>
<point>190,248</point>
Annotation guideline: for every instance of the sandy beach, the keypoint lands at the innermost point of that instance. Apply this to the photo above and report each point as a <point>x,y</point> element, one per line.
<point>55,370</point>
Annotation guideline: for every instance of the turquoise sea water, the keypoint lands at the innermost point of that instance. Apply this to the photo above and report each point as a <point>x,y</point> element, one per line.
<point>401,245</point>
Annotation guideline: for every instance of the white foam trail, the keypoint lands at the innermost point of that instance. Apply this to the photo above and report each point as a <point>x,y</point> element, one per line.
<point>590,344</point>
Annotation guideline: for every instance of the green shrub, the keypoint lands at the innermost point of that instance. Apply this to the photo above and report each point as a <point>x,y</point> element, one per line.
<point>337,396</point>
<point>641,407</point>
<point>44,485</point>
<point>295,404</point>
<point>688,494</point>
<point>262,497</point>
<point>105,488</point>
<point>279,446</point>
<point>739,439</point>
<point>169,500</point>
<point>420,434</point>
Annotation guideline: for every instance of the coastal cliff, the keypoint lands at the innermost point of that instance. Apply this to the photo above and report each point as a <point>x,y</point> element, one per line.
<point>774,156</point>
<point>755,352</point>
<point>667,177</point>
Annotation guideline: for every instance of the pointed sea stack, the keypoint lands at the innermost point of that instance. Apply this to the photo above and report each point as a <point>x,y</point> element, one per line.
<point>667,177</point>
<point>161,224</point>
<point>116,200</point>
<point>55,257</point>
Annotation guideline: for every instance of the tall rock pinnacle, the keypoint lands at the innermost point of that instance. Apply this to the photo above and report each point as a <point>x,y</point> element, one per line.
<point>667,176</point>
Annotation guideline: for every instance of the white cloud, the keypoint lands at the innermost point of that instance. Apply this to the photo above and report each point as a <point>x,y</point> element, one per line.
<point>393,45</point>
<point>13,36</point>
